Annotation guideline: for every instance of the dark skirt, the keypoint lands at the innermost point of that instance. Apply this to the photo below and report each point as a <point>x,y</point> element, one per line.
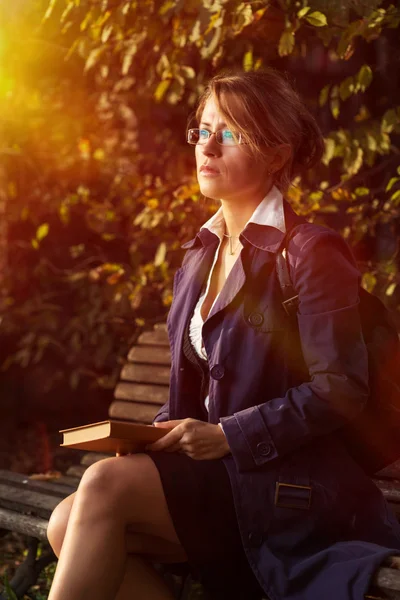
<point>200,502</point>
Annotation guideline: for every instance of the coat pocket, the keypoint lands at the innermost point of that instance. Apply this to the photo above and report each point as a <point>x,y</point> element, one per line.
<point>266,318</point>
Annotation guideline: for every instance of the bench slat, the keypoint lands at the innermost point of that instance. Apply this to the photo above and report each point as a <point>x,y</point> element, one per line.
<point>151,394</point>
<point>390,472</point>
<point>156,338</point>
<point>25,524</point>
<point>76,471</point>
<point>153,355</point>
<point>69,481</point>
<point>390,489</point>
<point>53,488</point>
<point>27,501</point>
<point>133,411</point>
<point>388,579</point>
<point>146,373</point>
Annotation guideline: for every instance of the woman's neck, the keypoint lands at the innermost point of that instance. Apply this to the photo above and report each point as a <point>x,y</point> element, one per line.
<point>238,212</point>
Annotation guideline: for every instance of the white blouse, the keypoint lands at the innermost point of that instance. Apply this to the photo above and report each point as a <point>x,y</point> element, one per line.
<point>269,212</point>
<point>196,322</point>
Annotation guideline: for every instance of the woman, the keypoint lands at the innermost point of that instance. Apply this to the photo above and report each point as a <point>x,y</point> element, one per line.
<point>252,487</point>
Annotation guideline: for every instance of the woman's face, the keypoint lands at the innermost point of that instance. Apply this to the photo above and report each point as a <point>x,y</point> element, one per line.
<point>236,173</point>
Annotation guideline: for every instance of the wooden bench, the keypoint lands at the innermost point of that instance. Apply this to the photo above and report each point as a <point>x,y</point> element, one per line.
<point>26,504</point>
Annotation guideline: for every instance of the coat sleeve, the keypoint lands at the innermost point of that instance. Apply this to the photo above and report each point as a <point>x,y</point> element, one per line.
<point>163,414</point>
<point>327,281</point>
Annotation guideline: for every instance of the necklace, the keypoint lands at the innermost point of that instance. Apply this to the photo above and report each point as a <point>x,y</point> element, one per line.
<point>231,251</point>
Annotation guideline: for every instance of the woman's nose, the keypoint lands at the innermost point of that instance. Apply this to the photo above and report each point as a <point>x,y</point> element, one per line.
<point>211,147</point>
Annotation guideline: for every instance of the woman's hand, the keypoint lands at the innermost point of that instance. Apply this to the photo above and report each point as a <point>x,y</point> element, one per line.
<point>197,439</point>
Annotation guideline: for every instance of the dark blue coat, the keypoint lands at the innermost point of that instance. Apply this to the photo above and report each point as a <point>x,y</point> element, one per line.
<point>312,524</point>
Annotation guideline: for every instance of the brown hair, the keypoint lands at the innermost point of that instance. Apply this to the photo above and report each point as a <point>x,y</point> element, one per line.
<point>265,108</point>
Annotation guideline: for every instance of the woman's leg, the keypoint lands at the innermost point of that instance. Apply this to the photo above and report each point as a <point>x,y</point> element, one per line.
<point>118,508</point>
<point>142,581</point>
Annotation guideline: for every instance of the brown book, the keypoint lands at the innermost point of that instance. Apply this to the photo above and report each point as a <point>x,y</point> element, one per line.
<point>112,436</point>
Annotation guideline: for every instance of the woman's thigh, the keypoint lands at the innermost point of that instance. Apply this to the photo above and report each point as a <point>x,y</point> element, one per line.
<point>129,489</point>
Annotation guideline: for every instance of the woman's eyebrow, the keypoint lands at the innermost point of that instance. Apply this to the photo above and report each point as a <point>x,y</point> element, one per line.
<point>209,125</point>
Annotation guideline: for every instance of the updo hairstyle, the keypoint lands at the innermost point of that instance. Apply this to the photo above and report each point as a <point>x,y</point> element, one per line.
<point>264,107</point>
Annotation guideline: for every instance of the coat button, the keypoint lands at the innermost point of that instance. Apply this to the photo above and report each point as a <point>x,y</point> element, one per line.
<point>255,538</point>
<point>217,372</point>
<point>256,319</point>
<point>264,449</point>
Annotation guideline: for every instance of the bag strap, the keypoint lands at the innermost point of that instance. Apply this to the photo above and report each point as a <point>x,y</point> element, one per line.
<point>290,298</point>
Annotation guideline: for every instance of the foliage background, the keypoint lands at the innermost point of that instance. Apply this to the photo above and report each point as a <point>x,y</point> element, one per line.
<point>98,188</point>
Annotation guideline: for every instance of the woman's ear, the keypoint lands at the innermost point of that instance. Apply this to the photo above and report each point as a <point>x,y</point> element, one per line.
<point>279,157</point>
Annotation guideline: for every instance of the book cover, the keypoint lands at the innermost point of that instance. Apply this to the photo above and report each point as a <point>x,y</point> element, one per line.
<point>119,437</point>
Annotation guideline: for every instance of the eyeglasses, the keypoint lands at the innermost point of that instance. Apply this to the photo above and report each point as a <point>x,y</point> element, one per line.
<point>225,137</point>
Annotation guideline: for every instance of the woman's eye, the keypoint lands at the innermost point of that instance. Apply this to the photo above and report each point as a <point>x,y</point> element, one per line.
<point>203,134</point>
<point>228,137</point>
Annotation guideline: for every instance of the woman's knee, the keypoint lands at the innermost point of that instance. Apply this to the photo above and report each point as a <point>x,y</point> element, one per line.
<point>58,522</point>
<point>108,481</point>
<point>101,481</point>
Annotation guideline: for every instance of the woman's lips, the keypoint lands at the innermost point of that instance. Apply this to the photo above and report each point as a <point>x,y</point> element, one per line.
<point>208,172</point>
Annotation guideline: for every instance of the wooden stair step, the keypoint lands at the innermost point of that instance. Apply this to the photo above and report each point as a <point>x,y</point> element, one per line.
<point>149,394</point>
<point>158,337</point>
<point>153,355</point>
<point>133,411</point>
<point>158,374</point>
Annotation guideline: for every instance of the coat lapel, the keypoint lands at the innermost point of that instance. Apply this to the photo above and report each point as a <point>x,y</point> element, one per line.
<point>231,288</point>
<point>188,283</point>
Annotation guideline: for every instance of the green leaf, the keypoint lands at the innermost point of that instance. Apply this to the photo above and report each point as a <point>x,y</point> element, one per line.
<point>329,208</point>
<point>395,198</point>
<point>389,121</point>
<point>335,107</point>
<point>371,143</point>
<point>93,57</point>
<point>355,161</point>
<point>128,59</point>
<point>99,154</point>
<point>390,289</point>
<point>324,94</point>
<point>286,43</point>
<point>248,60</point>
<point>392,182</point>
<point>330,146</point>
<point>346,88</point>
<point>361,191</point>
<point>167,6</point>
<point>161,89</point>
<point>316,18</point>
<point>42,231</point>
<point>368,281</point>
<point>160,254</point>
<point>188,72</point>
<point>364,77</point>
<point>302,13</point>
<point>244,16</point>
<point>9,591</point>
<point>49,10</point>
